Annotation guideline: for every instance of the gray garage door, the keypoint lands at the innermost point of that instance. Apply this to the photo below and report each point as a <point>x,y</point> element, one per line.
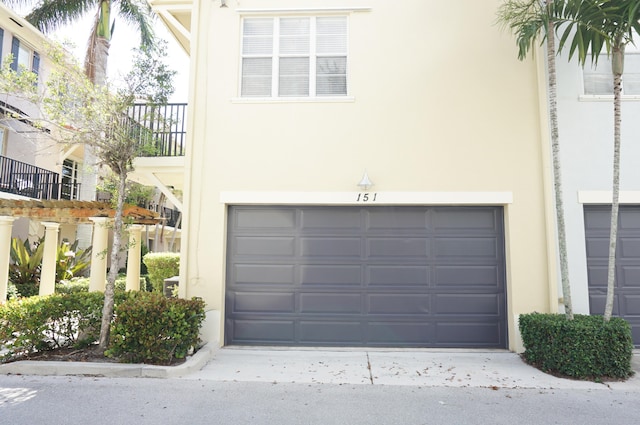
<point>627,293</point>
<point>376,276</point>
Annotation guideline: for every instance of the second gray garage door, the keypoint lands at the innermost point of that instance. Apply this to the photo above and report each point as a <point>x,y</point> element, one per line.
<point>376,276</point>
<point>627,292</point>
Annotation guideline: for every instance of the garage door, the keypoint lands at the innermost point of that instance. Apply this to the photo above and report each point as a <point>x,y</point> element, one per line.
<point>351,276</point>
<point>627,293</point>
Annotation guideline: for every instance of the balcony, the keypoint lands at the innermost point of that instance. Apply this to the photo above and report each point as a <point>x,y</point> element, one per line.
<point>20,178</point>
<point>160,128</point>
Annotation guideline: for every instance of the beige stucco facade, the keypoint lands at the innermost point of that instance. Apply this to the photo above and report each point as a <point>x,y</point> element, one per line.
<point>439,112</point>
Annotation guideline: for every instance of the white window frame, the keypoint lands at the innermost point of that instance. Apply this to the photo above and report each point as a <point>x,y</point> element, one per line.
<point>73,176</point>
<point>275,57</point>
<point>629,51</point>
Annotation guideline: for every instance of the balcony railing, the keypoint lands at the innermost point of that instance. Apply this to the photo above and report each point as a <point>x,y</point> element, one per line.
<point>28,180</point>
<point>160,128</point>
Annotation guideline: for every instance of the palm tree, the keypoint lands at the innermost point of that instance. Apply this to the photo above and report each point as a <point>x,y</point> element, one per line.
<point>53,14</point>
<point>529,20</point>
<point>592,25</point>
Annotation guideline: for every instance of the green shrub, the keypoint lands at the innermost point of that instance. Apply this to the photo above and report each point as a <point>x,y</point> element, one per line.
<point>584,348</point>
<point>73,286</point>
<point>161,266</point>
<point>150,328</point>
<point>45,323</point>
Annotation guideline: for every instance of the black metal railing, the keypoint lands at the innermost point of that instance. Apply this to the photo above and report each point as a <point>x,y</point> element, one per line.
<point>28,180</point>
<point>160,129</point>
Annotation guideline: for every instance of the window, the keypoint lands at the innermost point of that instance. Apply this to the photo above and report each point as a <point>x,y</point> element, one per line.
<point>598,80</point>
<point>294,57</point>
<point>70,185</point>
<point>23,57</point>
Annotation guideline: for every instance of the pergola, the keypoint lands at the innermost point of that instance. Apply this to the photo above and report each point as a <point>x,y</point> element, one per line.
<point>53,213</point>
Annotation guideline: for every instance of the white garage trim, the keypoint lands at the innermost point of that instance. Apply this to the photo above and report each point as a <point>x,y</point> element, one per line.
<point>605,197</point>
<point>366,198</point>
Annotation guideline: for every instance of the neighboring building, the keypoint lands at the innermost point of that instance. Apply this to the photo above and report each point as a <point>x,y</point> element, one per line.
<point>32,165</point>
<point>295,105</point>
<point>585,103</point>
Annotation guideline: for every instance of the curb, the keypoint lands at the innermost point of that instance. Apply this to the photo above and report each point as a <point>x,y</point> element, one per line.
<point>111,370</point>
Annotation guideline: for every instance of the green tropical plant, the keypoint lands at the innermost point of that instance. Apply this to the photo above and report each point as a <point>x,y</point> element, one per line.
<point>591,26</point>
<point>530,20</point>
<point>71,261</point>
<point>25,265</point>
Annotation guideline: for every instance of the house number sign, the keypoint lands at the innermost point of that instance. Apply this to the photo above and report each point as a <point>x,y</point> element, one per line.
<point>366,197</point>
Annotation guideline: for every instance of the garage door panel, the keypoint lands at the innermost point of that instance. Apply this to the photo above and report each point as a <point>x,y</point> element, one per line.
<point>362,276</point>
<point>330,303</point>
<point>264,246</point>
<point>328,274</point>
<point>331,332</point>
<point>465,219</point>
<point>261,331</point>
<point>264,273</point>
<point>265,218</point>
<point>381,248</point>
<point>468,333</point>
<point>468,276</point>
<point>331,247</point>
<point>330,218</point>
<point>398,304</point>
<point>398,275</point>
<point>388,220</point>
<point>629,219</point>
<point>261,302</point>
<point>629,247</point>
<point>597,302</point>
<point>400,333</point>
<point>630,306</point>
<point>598,247</point>
<point>597,276</point>
<point>468,304</point>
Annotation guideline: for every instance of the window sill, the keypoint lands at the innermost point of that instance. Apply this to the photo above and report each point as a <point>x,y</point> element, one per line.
<point>607,97</point>
<point>341,99</point>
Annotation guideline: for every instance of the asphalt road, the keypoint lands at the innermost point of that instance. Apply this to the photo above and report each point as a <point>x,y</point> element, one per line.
<point>114,401</point>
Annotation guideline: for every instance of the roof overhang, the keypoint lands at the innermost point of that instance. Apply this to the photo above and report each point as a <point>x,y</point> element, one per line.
<point>176,16</point>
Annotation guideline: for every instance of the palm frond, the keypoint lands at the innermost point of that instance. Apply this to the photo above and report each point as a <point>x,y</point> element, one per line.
<point>141,16</point>
<point>53,14</point>
<point>527,20</point>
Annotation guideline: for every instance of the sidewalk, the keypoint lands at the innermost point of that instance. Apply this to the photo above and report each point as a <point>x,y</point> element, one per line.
<point>422,368</point>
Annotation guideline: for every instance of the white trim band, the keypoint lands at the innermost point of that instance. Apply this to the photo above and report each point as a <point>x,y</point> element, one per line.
<point>368,198</point>
<point>606,196</point>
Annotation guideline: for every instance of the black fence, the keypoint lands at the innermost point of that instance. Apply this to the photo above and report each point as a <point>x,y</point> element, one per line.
<point>160,128</point>
<point>28,180</point>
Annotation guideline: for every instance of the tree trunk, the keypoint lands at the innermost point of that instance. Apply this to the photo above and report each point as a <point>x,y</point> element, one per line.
<point>109,300</point>
<point>557,176</point>
<point>618,66</point>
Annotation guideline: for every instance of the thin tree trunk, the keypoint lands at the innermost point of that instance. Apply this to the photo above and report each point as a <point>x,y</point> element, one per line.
<point>557,176</point>
<point>617,63</point>
<point>109,299</point>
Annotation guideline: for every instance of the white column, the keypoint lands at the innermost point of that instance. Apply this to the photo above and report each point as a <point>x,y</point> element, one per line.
<point>48,272</point>
<point>99,254</point>
<point>6,224</point>
<point>133,257</point>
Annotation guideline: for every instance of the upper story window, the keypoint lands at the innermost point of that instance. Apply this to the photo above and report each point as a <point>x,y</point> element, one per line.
<point>294,57</point>
<point>70,188</point>
<point>24,57</point>
<point>598,80</point>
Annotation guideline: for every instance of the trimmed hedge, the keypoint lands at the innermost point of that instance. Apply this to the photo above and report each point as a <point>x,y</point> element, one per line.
<point>161,266</point>
<point>150,328</point>
<point>37,323</point>
<point>584,348</point>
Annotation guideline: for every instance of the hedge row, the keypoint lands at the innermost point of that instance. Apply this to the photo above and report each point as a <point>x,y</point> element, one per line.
<point>148,327</point>
<point>584,348</point>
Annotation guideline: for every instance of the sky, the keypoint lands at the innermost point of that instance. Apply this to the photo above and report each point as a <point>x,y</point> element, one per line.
<point>123,42</point>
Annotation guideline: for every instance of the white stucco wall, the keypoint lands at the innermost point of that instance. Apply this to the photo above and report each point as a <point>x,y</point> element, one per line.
<point>586,139</point>
<point>429,112</point>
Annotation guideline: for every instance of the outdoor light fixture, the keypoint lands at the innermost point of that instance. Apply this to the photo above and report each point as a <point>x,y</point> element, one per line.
<point>365,183</point>
<point>223,3</point>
